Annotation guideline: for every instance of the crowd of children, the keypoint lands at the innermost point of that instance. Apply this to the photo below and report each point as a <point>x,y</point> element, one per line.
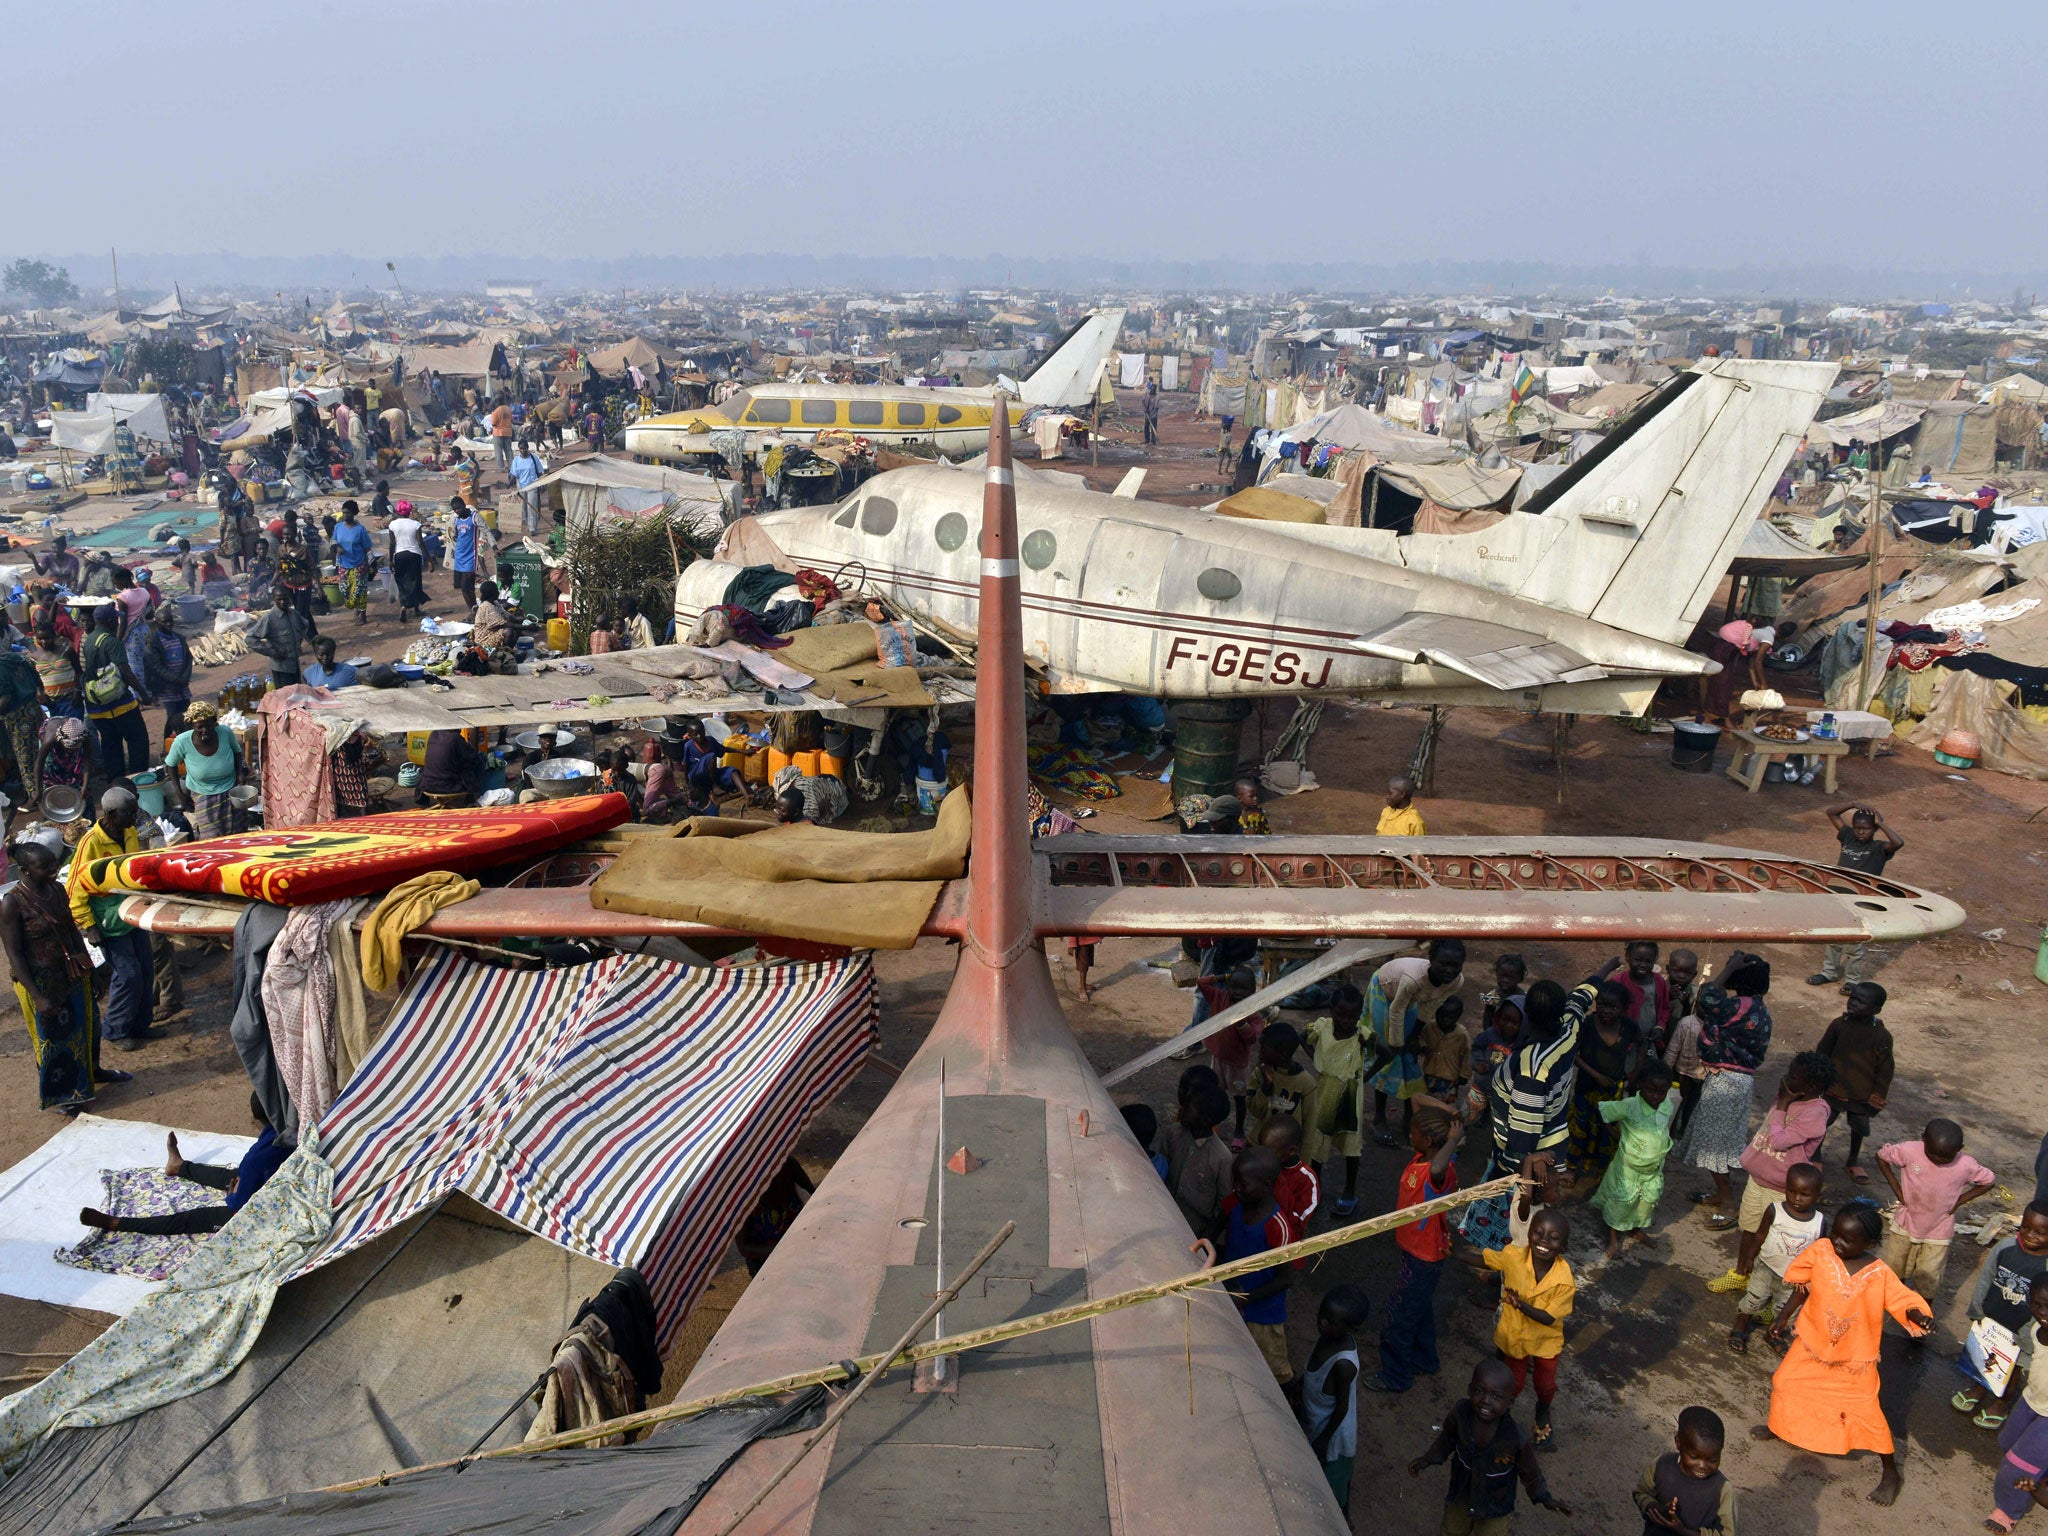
<point>1589,1092</point>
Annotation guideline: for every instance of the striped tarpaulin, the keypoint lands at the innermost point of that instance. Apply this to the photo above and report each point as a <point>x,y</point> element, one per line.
<point>627,1109</point>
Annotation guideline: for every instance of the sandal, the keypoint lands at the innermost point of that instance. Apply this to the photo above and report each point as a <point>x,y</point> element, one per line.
<point>1344,1206</point>
<point>112,1075</point>
<point>1720,1221</point>
<point>1856,1172</point>
<point>1384,1137</point>
<point>1738,1341</point>
<point>1545,1435</point>
<point>1966,1401</point>
<point>1985,1418</point>
<point>1703,1197</point>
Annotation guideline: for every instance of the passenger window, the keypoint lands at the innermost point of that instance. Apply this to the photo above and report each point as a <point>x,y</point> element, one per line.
<point>877,515</point>
<point>951,532</point>
<point>1039,549</point>
<point>771,412</point>
<point>948,415</point>
<point>865,413</point>
<point>909,415</point>
<point>1218,585</point>
<point>821,413</point>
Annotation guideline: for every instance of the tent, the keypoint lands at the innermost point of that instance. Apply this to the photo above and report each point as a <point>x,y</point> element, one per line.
<point>1957,438</point>
<point>471,361</point>
<point>633,352</point>
<point>1769,551</point>
<point>143,413</point>
<point>72,369</point>
<point>602,486</point>
<point>1353,426</point>
<point>1872,424</point>
<point>629,1110</point>
<point>1458,487</point>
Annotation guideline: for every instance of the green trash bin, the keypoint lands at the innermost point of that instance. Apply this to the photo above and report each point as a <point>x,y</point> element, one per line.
<point>528,588</point>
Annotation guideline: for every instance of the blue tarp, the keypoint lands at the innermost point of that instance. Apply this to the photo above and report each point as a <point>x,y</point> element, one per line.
<point>68,373</point>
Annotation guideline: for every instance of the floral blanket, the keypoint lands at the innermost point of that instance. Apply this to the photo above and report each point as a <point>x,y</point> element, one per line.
<point>140,1192</point>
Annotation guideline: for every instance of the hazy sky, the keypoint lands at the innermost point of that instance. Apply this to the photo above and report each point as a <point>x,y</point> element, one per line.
<point>1723,134</point>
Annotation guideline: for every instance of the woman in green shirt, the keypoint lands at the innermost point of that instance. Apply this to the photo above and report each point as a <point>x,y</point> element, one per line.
<point>205,764</point>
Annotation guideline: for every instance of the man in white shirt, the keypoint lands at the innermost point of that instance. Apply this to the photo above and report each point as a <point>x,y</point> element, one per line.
<point>527,468</point>
<point>408,559</point>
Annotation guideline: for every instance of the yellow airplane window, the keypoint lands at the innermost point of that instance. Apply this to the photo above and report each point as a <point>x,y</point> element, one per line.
<point>864,413</point>
<point>772,412</point>
<point>909,415</point>
<point>948,415</point>
<point>821,413</point>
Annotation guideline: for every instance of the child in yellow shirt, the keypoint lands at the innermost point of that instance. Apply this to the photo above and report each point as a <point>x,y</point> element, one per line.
<point>1535,1298</point>
<point>1400,818</point>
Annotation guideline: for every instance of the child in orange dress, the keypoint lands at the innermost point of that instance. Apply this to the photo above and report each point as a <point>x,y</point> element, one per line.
<point>1824,1392</point>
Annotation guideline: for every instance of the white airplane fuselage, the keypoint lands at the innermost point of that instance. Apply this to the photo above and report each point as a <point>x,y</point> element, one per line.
<point>1140,598</point>
<point>1582,605</point>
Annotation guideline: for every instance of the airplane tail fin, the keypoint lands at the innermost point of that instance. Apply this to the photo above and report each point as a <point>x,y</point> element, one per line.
<point>1655,513</point>
<point>1066,375</point>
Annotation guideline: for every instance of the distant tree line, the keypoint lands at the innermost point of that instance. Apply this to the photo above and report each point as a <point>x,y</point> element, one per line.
<point>44,285</point>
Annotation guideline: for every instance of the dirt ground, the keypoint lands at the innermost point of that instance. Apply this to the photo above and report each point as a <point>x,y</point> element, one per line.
<point>1646,1338</point>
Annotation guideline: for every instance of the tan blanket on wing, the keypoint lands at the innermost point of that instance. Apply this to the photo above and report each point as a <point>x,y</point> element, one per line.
<point>791,882</point>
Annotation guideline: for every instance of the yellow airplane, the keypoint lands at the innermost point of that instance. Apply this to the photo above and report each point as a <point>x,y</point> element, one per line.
<point>955,421</point>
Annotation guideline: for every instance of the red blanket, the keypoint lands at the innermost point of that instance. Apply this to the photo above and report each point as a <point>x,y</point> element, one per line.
<point>297,866</point>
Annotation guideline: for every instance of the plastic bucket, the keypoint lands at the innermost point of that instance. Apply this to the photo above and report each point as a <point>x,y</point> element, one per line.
<point>1693,745</point>
<point>149,790</point>
<point>929,793</point>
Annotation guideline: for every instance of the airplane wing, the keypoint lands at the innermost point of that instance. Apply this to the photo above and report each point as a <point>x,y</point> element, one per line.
<point>1492,654</point>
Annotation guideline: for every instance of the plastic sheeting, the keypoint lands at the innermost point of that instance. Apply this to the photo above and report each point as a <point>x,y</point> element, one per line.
<point>1965,701</point>
<point>647,1489</point>
<point>1456,487</point>
<point>413,1365</point>
<point>143,413</point>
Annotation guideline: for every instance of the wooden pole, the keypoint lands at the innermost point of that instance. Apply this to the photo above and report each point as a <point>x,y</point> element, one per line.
<point>980,1338</point>
<point>1876,582</point>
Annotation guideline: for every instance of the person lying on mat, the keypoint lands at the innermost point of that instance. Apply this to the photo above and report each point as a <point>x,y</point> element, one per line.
<point>262,1159</point>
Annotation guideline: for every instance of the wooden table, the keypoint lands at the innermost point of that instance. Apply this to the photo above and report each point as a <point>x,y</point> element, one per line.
<point>1754,752</point>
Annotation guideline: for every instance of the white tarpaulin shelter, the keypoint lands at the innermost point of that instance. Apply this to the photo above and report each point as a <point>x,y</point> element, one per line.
<point>92,429</point>
<point>1353,426</point>
<point>270,410</point>
<point>602,486</point>
<point>143,413</point>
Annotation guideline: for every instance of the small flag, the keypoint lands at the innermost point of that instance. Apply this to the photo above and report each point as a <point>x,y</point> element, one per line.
<point>1524,385</point>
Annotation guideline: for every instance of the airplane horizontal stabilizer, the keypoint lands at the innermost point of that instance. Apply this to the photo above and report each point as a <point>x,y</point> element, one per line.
<point>1492,654</point>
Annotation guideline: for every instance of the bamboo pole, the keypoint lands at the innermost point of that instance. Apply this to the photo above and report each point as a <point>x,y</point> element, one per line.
<point>980,1338</point>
